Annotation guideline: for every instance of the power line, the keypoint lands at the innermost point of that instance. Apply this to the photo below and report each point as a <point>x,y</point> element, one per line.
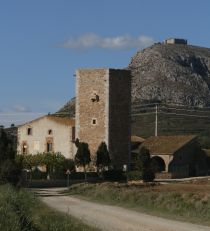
<point>178,114</point>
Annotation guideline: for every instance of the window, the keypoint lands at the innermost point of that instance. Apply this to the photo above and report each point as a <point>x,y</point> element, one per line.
<point>50,132</point>
<point>94,121</point>
<point>49,147</point>
<point>29,131</point>
<point>73,133</point>
<point>24,148</point>
<point>49,144</point>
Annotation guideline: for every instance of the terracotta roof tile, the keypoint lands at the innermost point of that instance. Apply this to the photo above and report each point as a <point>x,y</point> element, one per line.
<point>166,144</point>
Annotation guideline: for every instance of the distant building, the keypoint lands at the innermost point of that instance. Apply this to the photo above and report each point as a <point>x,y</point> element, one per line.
<point>47,134</point>
<point>175,41</point>
<point>103,101</point>
<point>179,156</point>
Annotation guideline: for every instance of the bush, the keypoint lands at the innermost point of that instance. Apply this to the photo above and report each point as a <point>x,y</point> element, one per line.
<point>56,165</point>
<point>80,175</point>
<point>114,175</point>
<point>144,165</point>
<point>10,172</point>
<point>38,175</point>
<point>134,175</point>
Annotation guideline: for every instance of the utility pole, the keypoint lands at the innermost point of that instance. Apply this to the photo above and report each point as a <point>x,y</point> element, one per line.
<point>156,120</point>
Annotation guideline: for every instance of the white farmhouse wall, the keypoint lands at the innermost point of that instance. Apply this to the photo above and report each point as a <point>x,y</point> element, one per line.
<point>36,142</point>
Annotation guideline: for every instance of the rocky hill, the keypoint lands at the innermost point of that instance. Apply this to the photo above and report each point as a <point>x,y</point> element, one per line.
<point>167,73</point>
<point>171,73</point>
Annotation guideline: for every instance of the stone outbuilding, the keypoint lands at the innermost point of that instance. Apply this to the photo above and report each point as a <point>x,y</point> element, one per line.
<point>176,156</point>
<point>47,134</point>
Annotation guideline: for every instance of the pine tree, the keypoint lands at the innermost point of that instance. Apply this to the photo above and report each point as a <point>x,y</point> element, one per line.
<point>82,157</point>
<point>103,159</point>
<point>144,165</point>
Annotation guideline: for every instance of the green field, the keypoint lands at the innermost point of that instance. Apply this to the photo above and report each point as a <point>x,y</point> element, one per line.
<point>172,121</point>
<point>21,211</point>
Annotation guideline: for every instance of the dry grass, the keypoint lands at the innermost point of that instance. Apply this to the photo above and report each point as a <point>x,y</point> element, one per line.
<point>182,201</point>
<point>21,211</point>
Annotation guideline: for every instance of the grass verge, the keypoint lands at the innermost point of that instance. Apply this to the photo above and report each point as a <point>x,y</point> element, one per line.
<point>176,201</point>
<point>21,211</point>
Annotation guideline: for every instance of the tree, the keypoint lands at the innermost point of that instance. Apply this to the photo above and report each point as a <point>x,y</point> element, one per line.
<point>7,150</point>
<point>144,165</point>
<point>103,159</point>
<point>82,157</point>
<point>10,170</point>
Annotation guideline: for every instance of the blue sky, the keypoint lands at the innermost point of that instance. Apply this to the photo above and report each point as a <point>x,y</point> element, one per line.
<point>43,42</point>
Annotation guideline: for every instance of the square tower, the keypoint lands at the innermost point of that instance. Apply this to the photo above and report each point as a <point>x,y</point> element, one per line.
<point>103,101</point>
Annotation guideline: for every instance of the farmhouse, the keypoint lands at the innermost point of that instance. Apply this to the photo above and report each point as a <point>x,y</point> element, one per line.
<point>179,156</point>
<point>47,134</point>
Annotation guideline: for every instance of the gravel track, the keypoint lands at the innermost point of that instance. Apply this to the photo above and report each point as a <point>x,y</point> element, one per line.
<point>111,218</point>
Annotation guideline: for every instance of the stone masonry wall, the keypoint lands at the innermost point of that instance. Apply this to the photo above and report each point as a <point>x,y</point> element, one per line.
<point>90,82</point>
<point>110,110</point>
<point>119,116</point>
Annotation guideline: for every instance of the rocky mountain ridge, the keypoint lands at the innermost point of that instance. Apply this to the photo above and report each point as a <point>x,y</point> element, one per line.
<point>171,73</point>
<point>167,73</point>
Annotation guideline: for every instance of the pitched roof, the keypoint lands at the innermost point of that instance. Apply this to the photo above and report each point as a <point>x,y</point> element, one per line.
<point>61,120</point>
<point>137,139</point>
<point>166,145</point>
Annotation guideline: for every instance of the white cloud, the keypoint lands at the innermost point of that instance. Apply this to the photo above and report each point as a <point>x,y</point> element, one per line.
<point>92,40</point>
<point>21,108</point>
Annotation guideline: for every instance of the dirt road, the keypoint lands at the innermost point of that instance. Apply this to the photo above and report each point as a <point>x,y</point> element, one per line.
<point>112,218</point>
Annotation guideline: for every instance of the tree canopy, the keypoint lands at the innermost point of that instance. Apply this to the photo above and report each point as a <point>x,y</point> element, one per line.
<point>82,157</point>
<point>102,155</point>
<point>144,165</point>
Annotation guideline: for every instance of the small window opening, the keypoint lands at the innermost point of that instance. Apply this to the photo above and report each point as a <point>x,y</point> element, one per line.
<point>94,121</point>
<point>50,132</point>
<point>24,148</point>
<point>73,133</point>
<point>29,131</point>
<point>49,147</point>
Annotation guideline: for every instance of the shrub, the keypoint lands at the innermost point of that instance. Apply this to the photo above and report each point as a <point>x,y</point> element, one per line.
<point>10,172</point>
<point>134,175</point>
<point>38,175</point>
<point>80,175</point>
<point>56,164</point>
<point>144,165</point>
<point>114,175</point>
<point>102,157</point>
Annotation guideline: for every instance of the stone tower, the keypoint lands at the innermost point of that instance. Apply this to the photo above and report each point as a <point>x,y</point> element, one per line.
<point>103,101</point>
